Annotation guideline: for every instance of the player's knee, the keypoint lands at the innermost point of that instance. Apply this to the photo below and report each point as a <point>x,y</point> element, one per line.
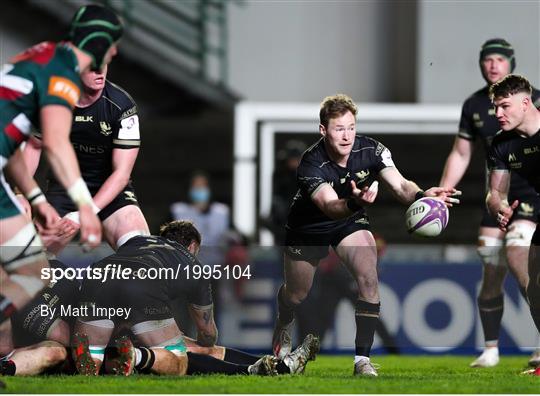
<point>520,234</point>
<point>367,284</point>
<point>488,249</point>
<point>296,297</point>
<point>53,354</point>
<point>23,249</point>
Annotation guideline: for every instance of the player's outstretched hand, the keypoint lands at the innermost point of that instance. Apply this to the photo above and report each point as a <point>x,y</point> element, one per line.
<point>505,213</point>
<point>365,195</point>
<point>447,195</point>
<point>46,215</point>
<point>90,227</point>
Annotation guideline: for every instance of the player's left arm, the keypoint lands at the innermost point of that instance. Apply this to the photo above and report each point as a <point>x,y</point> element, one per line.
<point>203,317</point>
<point>18,173</point>
<point>407,191</point>
<point>122,164</point>
<point>497,197</point>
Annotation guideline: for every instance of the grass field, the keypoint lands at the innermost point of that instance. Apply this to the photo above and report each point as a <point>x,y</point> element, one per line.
<point>328,374</point>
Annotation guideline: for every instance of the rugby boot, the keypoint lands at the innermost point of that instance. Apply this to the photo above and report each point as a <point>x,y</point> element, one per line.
<point>297,360</point>
<point>264,366</point>
<point>534,361</point>
<point>534,371</point>
<point>365,368</point>
<point>281,339</point>
<point>488,358</point>
<point>121,358</point>
<point>84,363</point>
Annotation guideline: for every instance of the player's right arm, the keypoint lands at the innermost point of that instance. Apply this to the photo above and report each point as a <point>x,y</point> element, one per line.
<point>55,127</point>
<point>499,185</point>
<point>337,208</point>
<point>457,162</point>
<point>203,317</point>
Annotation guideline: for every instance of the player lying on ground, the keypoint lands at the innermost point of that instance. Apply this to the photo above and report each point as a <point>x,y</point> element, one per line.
<point>156,358</point>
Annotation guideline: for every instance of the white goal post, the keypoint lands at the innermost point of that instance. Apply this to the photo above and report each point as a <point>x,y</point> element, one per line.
<point>257,124</point>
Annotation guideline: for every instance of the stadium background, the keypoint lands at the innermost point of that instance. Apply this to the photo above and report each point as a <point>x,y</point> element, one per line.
<point>189,64</point>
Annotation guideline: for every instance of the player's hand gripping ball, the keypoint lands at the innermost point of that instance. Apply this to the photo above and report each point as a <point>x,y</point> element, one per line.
<point>427,217</point>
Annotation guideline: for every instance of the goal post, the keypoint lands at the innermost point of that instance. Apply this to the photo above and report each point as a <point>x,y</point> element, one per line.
<point>257,124</point>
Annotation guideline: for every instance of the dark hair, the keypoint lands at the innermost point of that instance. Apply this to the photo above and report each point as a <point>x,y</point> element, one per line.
<point>181,231</point>
<point>510,85</point>
<point>334,107</point>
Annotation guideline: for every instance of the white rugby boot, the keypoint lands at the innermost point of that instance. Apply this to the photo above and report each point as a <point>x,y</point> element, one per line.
<point>296,360</point>
<point>364,367</point>
<point>534,361</point>
<point>488,358</point>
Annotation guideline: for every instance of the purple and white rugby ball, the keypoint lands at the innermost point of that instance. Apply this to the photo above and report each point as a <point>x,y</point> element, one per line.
<point>427,217</point>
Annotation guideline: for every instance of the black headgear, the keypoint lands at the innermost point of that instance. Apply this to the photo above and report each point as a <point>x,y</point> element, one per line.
<point>94,29</point>
<point>499,46</point>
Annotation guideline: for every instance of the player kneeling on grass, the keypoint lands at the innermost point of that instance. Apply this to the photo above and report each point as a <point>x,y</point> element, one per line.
<point>147,303</point>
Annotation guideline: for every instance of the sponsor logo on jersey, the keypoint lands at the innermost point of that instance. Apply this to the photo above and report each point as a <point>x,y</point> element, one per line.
<point>105,127</point>
<point>344,179</point>
<point>512,159</point>
<point>129,112</point>
<point>491,112</point>
<point>362,175</point>
<point>129,128</point>
<point>362,220</point>
<point>88,148</point>
<point>379,149</point>
<point>476,116</point>
<point>130,196</point>
<point>84,118</point>
<point>296,251</point>
<point>526,208</point>
<point>531,150</point>
<point>64,89</point>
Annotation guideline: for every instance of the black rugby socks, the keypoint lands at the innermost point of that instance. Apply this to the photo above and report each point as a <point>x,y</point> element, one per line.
<point>367,316</point>
<point>285,312</point>
<point>491,312</point>
<point>239,357</point>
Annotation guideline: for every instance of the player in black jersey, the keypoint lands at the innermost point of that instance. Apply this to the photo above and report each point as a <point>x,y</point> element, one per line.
<point>516,149</point>
<point>478,121</point>
<point>106,138</point>
<point>334,179</point>
<point>150,318</point>
<point>39,338</point>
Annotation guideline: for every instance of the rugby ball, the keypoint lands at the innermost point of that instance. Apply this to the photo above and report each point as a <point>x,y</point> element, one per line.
<point>427,217</point>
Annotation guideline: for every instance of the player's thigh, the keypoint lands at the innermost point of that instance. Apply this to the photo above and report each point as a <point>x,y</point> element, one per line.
<point>126,219</point>
<point>154,333</point>
<point>299,274</point>
<point>358,252</point>
<point>99,331</point>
